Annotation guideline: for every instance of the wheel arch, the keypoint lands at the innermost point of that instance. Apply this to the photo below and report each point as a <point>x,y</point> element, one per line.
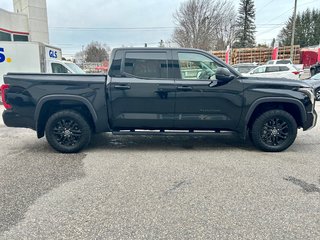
<point>293,106</point>
<point>54,103</point>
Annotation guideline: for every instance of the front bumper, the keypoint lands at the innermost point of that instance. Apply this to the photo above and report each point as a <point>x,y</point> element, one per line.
<point>311,120</point>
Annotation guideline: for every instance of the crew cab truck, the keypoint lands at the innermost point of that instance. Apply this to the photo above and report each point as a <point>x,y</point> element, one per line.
<point>168,91</point>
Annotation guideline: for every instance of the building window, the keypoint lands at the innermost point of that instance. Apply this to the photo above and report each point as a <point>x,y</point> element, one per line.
<point>20,38</point>
<point>5,36</point>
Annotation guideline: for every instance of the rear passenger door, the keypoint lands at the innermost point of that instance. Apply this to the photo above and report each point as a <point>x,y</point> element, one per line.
<point>142,95</point>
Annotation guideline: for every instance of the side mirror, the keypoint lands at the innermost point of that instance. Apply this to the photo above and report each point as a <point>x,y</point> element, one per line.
<point>223,74</point>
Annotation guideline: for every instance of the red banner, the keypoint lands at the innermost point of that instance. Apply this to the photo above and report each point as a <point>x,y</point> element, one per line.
<point>227,54</point>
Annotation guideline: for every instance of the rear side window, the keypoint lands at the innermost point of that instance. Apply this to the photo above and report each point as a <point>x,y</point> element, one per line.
<point>284,68</point>
<point>146,64</point>
<point>272,69</point>
<point>283,62</point>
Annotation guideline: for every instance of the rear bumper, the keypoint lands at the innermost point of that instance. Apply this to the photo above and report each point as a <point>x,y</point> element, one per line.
<point>12,119</point>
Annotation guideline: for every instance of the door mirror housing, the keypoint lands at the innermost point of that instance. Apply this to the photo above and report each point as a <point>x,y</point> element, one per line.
<point>223,74</point>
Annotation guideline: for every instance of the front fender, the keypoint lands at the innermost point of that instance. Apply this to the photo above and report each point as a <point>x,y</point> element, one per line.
<point>256,103</point>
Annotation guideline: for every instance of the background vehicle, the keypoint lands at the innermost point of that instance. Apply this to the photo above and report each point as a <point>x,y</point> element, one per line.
<point>33,57</point>
<point>314,81</point>
<point>275,71</point>
<point>148,89</point>
<point>314,69</point>
<point>286,61</point>
<point>244,67</point>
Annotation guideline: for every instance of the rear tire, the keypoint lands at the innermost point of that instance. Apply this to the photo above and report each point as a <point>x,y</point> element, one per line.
<point>274,131</point>
<point>68,131</point>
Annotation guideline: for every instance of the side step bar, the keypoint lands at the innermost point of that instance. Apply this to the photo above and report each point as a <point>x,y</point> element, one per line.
<point>165,132</point>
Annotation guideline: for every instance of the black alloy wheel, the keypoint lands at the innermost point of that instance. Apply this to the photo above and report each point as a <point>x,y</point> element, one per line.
<point>274,131</point>
<point>68,131</point>
<point>317,93</point>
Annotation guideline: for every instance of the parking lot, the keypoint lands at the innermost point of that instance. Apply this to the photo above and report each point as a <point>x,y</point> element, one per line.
<point>136,187</point>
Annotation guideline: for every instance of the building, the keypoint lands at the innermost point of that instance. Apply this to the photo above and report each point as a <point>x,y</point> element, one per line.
<point>28,22</point>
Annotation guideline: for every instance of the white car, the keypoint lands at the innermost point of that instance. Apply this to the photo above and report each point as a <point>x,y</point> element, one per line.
<point>286,61</point>
<point>275,71</point>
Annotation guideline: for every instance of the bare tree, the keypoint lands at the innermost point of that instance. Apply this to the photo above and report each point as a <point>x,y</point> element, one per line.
<point>199,22</point>
<point>226,30</point>
<point>96,52</point>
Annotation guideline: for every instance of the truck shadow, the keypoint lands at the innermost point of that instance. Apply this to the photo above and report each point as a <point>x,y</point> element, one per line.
<point>170,143</point>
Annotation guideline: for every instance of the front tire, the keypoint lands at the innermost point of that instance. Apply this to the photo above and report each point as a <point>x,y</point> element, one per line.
<point>312,72</point>
<point>68,131</point>
<point>317,93</point>
<point>274,131</point>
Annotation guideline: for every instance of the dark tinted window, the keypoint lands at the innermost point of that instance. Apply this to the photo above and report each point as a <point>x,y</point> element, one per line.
<point>115,65</point>
<point>20,38</point>
<point>146,64</point>
<point>284,68</point>
<point>5,36</point>
<point>283,62</point>
<point>272,69</point>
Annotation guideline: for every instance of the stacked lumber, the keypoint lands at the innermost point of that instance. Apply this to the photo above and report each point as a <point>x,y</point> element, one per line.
<point>258,55</point>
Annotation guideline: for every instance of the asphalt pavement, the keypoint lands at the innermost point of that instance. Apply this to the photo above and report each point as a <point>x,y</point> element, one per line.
<point>136,187</point>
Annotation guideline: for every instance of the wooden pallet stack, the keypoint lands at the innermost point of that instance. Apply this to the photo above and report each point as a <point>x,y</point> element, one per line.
<point>258,55</point>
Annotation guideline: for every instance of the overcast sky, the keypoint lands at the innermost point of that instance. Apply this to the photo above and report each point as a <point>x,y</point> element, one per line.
<point>130,15</point>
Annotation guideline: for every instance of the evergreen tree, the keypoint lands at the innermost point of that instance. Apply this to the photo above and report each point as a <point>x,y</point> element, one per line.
<point>307,32</point>
<point>245,25</point>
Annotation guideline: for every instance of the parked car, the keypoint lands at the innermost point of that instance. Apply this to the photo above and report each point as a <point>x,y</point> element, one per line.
<point>314,69</point>
<point>275,71</point>
<point>314,81</point>
<point>244,67</point>
<point>286,61</point>
<point>149,89</point>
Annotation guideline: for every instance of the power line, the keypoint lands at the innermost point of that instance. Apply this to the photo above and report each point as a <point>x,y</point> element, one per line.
<point>264,6</point>
<point>110,28</point>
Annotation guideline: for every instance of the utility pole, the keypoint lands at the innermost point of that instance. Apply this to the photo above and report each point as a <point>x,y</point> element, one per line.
<point>293,29</point>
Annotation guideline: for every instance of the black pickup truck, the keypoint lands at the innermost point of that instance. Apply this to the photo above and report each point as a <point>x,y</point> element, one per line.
<point>168,91</point>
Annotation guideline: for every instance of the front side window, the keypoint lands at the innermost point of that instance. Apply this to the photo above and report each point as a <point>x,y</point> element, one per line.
<point>58,68</point>
<point>260,70</point>
<point>5,36</point>
<point>194,66</point>
<point>146,64</point>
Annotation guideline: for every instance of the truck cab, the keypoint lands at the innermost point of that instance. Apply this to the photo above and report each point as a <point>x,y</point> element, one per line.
<point>60,66</point>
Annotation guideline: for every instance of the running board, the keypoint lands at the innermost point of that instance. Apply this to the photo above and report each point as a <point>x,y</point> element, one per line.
<point>165,132</point>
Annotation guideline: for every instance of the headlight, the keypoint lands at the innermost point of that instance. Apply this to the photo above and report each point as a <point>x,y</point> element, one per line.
<point>309,92</point>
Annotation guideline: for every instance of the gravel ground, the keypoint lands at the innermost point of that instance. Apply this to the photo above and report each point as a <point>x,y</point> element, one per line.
<point>135,187</point>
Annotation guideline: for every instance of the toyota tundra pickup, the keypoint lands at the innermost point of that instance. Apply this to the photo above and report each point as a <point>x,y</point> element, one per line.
<point>158,91</point>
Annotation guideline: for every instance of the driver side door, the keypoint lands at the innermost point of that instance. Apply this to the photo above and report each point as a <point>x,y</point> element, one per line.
<point>202,102</point>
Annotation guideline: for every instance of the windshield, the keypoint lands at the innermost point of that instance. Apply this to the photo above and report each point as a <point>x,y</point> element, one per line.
<point>75,68</point>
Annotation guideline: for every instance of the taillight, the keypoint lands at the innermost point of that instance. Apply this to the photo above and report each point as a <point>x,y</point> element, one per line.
<point>3,88</point>
<point>296,72</point>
